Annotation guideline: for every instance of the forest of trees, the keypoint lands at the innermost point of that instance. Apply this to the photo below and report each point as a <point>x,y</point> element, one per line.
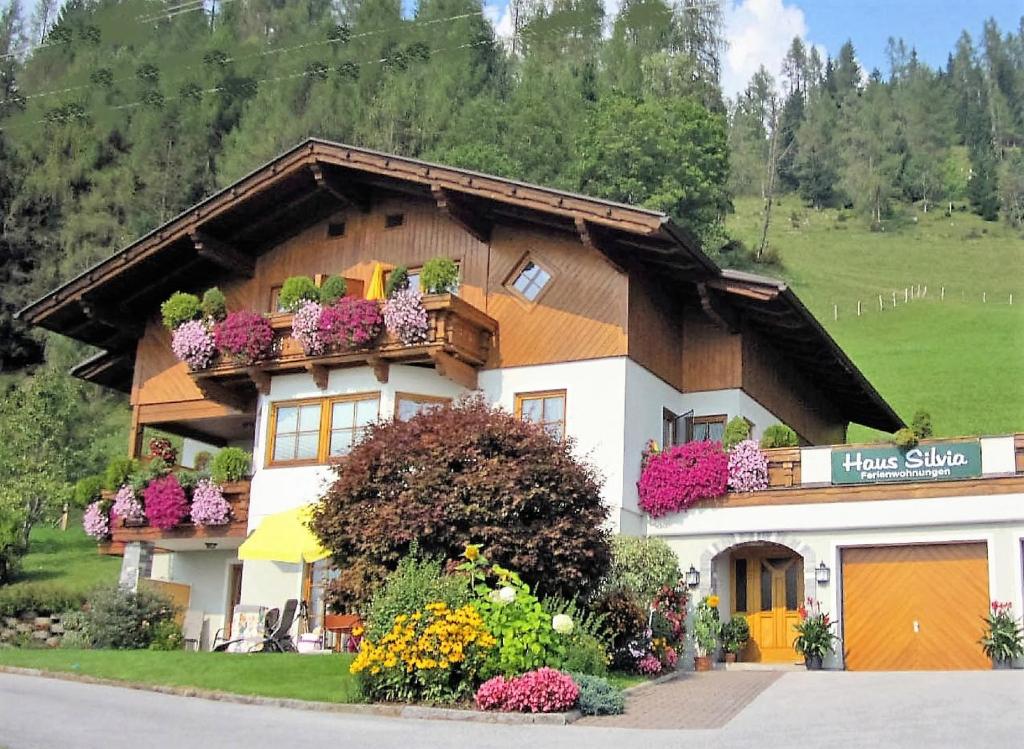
<point>117,114</point>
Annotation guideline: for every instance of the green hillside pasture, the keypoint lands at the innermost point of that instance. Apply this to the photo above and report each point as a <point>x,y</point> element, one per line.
<point>66,559</point>
<point>961,358</point>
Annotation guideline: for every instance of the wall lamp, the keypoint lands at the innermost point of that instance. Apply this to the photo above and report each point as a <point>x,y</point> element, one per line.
<point>822,573</point>
<point>692,577</point>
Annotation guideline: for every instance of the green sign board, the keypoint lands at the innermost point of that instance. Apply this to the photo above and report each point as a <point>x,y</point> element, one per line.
<point>933,462</point>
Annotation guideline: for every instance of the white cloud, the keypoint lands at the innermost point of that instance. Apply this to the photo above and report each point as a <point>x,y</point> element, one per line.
<point>500,16</point>
<point>758,32</point>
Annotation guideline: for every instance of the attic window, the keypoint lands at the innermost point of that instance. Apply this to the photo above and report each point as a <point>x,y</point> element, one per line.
<point>529,279</point>
<point>336,229</point>
<point>394,219</point>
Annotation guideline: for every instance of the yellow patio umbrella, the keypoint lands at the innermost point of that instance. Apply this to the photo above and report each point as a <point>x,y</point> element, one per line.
<point>284,537</point>
<point>375,290</point>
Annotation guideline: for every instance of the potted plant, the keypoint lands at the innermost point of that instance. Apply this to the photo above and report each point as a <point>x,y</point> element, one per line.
<point>1003,641</point>
<point>706,629</point>
<point>815,638</point>
<point>735,634</point>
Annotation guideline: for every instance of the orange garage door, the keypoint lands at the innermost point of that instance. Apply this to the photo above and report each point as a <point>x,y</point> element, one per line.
<point>915,607</point>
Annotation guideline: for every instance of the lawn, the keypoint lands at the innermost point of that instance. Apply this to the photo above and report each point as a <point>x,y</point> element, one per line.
<point>322,678</point>
<point>67,559</point>
<point>960,357</point>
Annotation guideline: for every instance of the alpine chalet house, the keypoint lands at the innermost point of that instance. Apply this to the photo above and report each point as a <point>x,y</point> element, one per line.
<point>604,322</point>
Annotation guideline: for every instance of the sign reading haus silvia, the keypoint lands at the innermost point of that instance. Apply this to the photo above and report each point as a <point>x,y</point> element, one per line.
<point>934,462</point>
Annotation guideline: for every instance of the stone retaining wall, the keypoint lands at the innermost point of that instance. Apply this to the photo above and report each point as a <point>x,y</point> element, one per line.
<point>40,630</point>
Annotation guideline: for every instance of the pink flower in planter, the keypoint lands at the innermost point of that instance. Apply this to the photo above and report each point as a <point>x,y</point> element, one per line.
<point>352,322</point>
<point>127,505</point>
<point>748,467</point>
<point>96,521</point>
<point>166,505</point>
<point>244,336</point>
<point>675,479</point>
<point>306,328</point>
<point>493,694</point>
<point>405,316</point>
<point>193,344</point>
<point>208,504</point>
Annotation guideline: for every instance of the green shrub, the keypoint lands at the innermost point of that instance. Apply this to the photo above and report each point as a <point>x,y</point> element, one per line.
<point>779,435</point>
<point>597,696</point>
<point>586,654</point>
<point>167,635</point>
<point>180,308</point>
<point>333,289</point>
<point>439,276</point>
<point>922,425</point>
<point>189,479</point>
<point>411,587</point>
<point>230,464</point>
<point>735,634</point>
<point>88,489</point>
<point>118,471</point>
<point>737,430</point>
<point>295,291</point>
<point>624,621</point>
<point>397,279</point>
<point>214,305</point>
<point>905,438</point>
<point>76,633</point>
<point>41,598</point>
<point>146,472</point>
<point>123,620</point>
<point>642,565</point>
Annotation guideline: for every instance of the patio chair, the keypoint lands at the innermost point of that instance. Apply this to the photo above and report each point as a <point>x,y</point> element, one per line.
<point>192,629</point>
<point>222,645</point>
<point>279,638</point>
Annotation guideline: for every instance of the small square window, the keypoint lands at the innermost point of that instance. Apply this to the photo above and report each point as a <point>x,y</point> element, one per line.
<point>336,229</point>
<point>544,408</point>
<point>394,219</point>
<point>529,280</point>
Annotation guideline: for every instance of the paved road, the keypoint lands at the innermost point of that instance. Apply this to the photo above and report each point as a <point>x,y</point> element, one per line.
<point>974,709</point>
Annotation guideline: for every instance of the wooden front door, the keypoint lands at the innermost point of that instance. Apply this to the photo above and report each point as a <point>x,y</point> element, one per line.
<point>767,589</point>
<point>234,595</point>
<point>915,607</point>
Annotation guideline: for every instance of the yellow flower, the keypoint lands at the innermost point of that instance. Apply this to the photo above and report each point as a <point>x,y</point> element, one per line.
<point>713,601</point>
<point>472,552</point>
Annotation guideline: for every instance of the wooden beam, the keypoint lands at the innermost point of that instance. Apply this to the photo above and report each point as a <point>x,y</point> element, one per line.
<point>381,368</point>
<point>723,316</point>
<point>455,207</point>
<point>258,229</point>
<point>222,254</point>
<point>593,238</point>
<point>343,191</point>
<point>455,370</point>
<point>320,374</point>
<point>215,391</point>
<point>260,379</point>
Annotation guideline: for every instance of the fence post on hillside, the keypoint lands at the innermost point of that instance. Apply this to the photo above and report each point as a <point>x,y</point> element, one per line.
<point>1011,298</point>
<point>942,294</point>
<point>881,307</point>
<point>906,295</point>
<point>894,300</point>
<point>858,308</point>
<point>835,311</point>
<point>984,297</point>
<point>925,292</point>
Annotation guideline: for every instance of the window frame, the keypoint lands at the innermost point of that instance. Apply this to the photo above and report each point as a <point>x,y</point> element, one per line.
<point>418,398</point>
<point>707,419</point>
<point>518,269</point>
<point>669,428</point>
<point>541,395</point>
<point>416,270</point>
<point>323,448</point>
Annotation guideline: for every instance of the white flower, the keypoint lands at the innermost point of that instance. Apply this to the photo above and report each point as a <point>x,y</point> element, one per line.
<point>507,594</point>
<point>495,596</point>
<point>562,624</point>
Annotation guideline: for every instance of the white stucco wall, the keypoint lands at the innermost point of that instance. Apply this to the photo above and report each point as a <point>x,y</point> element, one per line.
<point>819,532</point>
<point>206,572</point>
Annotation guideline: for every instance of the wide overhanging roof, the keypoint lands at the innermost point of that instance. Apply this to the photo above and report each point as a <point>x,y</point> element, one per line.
<point>222,236</point>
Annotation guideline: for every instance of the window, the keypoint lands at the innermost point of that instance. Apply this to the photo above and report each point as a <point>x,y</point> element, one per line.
<point>394,219</point>
<point>413,275</point>
<point>336,229</point>
<point>275,299</point>
<point>741,585</point>
<point>408,405</point>
<point>707,428</point>
<point>296,432</point>
<point>669,429</point>
<point>528,280</point>
<point>349,418</point>
<point>545,408</point>
<point>312,431</point>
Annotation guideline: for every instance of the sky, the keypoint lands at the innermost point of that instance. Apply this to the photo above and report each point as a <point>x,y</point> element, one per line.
<point>760,31</point>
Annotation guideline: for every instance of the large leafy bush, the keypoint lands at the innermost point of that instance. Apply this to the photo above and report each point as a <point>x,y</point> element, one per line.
<point>458,472</point>
<point>642,565</point>
<point>121,619</point>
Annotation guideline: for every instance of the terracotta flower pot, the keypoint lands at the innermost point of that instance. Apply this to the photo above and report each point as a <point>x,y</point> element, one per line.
<point>730,657</point>
<point>702,663</point>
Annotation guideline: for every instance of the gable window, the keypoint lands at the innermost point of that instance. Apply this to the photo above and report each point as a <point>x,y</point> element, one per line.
<point>528,280</point>
<point>295,430</point>
<point>546,408</point>
<point>336,229</point>
<point>349,418</point>
<point>393,220</point>
<point>706,428</point>
<point>408,405</point>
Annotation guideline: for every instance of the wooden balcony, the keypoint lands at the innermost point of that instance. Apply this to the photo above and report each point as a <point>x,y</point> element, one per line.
<point>459,341</point>
<point>235,492</point>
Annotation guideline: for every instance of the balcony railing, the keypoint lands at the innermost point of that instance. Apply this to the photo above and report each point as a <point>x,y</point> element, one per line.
<point>235,492</point>
<point>459,341</point>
